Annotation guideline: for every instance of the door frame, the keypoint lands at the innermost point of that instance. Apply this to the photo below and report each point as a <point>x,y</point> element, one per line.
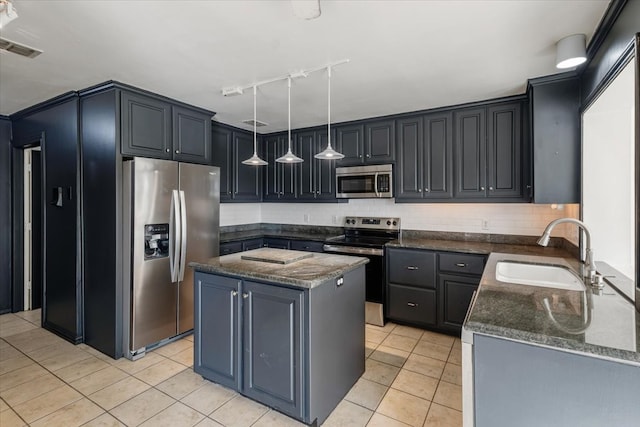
<point>28,215</point>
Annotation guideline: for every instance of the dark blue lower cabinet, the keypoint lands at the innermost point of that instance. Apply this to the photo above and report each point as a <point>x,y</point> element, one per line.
<point>217,311</point>
<point>272,360</point>
<point>296,350</point>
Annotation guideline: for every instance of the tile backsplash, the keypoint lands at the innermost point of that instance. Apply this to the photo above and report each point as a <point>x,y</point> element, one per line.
<point>504,218</point>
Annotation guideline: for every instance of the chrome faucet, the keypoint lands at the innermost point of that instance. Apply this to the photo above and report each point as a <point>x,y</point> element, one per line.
<point>590,264</point>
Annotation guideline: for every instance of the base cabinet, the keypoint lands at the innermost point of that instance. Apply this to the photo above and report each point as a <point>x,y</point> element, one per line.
<point>280,345</point>
<point>431,289</point>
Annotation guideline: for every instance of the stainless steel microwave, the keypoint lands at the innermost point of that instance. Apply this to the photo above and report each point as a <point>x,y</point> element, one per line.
<point>361,182</point>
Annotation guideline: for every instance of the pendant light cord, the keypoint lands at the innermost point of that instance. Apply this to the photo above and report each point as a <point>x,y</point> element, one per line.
<point>329,107</point>
<point>255,131</point>
<point>289,112</point>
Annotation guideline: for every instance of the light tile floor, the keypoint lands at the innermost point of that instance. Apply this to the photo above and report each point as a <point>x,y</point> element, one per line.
<point>412,378</point>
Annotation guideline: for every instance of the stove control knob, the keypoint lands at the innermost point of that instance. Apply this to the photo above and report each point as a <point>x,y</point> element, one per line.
<point>388,222</point>
<point>395,222</point>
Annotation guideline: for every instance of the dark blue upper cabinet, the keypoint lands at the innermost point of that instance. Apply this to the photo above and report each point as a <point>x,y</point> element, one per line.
<point>280,181</point>
<point>470,153</point>
<point>191,135</point>
<point>504,150</point>
<point>222,156</point>
<point>316,178</point>
<point>372,143</point>
<point>146,126</point>
<point>154,127</point>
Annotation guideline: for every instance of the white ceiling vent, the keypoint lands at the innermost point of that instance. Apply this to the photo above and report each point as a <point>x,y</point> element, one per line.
<point>258,123</point>
<point>17,48</point>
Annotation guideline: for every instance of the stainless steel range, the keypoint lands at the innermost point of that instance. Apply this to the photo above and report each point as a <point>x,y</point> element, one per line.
<point>367,236</point>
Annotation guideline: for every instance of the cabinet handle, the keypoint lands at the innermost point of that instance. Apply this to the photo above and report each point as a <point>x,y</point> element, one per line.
<point>245,295</point>
<point>481,188</point>
<point>426,190</point>
<point>419,190</point>
<point>177,151</point>
<point>412,304</point>
<point>490,188</point>
<point>368,155</point>
<point>528,186</point>
<point>461,264</point>
<point>167,150</point>
<point>234,293</point>
<point>412,267</point>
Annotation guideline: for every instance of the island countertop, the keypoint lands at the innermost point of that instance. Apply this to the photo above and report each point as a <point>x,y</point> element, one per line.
<point>304,273</point>
<point>598,323</point>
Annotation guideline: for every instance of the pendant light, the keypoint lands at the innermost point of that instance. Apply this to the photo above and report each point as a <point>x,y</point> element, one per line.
<point>254,160</point>
<point>329,153</point>
<point>289,157</point>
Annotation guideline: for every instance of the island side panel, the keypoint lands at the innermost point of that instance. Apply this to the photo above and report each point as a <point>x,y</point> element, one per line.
<point>526,385</point>
<point>336,341</point>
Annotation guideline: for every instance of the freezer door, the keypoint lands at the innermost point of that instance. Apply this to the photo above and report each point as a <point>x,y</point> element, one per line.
<point>153,294</point>
<point>200,191</point>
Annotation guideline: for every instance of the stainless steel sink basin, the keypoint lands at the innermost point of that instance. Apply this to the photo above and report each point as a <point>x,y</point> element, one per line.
<point>544,275</point>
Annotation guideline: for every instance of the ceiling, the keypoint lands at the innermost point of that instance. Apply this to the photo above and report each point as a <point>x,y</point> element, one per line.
<point>404,55</point>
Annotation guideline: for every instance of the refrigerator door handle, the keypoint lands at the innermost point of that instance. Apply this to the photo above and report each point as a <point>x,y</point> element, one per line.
<point>183,241</point>
<point>175,236</point>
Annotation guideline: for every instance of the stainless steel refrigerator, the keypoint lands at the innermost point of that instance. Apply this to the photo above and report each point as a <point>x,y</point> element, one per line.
<point>171,217</point>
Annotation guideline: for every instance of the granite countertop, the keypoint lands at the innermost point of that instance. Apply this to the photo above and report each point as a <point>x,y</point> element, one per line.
<point>306,273</point>
<point>596,323</point>
<point>284,234</point>
<point>475,247</point>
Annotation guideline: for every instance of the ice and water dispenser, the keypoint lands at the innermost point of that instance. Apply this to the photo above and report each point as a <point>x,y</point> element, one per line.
<point>156,241</point>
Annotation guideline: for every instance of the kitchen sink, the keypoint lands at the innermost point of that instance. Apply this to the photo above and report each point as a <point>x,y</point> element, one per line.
<point>544,275</point>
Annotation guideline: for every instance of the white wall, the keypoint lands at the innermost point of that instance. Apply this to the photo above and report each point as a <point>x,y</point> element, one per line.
<point>608,173</point>
<point>506,218</point>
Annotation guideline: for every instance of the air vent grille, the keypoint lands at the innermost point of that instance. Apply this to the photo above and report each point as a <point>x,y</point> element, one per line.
<point>19,49</point>
<point>258,123</point>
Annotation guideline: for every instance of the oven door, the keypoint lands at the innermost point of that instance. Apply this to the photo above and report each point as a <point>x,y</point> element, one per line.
<point>374,277</point>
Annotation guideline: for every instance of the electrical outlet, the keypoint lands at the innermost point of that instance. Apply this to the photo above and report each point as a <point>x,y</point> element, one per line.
<point>306,218</point>
<point>485,224</point>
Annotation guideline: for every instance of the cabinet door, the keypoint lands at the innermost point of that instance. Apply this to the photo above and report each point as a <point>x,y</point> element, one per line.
<point>146,126</point>
<point>250,244</point>
<point>217,354</point>
<point>438,156</point>
<point>273,170</point>
<point>246,179</point>
<point>351,144</point>
<point>379,145</point>
<point>222,156</point>
<point>455,293</point>
<point>470,153</point>
<point>191,136</point>
<point>325,170</point>
<point>409,167</point>
<point>306,145</point>
<point>504,151</point>
<point>272,362</point>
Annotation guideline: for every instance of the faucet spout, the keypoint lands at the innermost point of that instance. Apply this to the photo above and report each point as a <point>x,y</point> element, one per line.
<point>589,260</point>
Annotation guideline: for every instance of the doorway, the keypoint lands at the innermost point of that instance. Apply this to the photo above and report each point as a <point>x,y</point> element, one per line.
<point>32,229</point>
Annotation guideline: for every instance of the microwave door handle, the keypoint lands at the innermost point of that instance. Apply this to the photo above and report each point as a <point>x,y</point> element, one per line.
<point>375,184</point>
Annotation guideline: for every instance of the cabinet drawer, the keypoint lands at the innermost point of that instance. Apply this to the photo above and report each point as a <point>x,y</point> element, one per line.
<point>305,245</point>
<point>462,263</point>
<point>412,305</point>
<point>230,248</point>
<point>411,267</point>
<point>274,242</point>
<point>250,244</point>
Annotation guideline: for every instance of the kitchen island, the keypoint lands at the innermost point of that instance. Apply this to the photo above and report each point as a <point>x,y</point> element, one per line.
<point>285,328</point>
<point>538,355</point>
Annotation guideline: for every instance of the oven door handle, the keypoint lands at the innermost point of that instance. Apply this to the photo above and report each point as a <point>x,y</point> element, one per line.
<point>353,250</point>
<point>375,184</point>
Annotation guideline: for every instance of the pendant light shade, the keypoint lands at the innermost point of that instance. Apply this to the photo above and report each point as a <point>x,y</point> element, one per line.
<point>254,160</point>
<point>329,153</point>
<point>289,157</point>
<point>571,51</point>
